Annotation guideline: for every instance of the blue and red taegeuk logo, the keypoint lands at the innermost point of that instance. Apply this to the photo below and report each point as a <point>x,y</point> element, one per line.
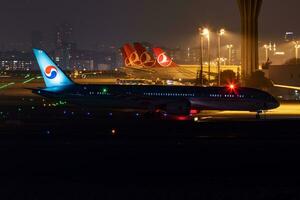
<point>50,72</point>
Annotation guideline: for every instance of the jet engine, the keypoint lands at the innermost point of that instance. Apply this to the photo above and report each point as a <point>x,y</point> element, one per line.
<point>178,108</point>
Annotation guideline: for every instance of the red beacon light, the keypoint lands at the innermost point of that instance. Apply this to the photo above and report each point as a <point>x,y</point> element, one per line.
<point>232,86</point>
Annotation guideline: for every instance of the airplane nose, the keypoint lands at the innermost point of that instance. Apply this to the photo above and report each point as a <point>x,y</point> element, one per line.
<point>274,104</point>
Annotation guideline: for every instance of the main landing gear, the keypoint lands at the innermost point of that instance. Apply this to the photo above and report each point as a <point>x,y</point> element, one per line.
<point>259,114</point>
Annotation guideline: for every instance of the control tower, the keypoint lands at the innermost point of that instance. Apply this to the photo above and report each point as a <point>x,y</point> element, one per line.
<point>249,10</point>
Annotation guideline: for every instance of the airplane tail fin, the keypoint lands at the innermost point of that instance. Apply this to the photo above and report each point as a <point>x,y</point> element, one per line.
<point>132,55</point>
<point>125,58</point>
<point>162,58</point>
<point>52,74</point>
<point>140,49</point>
<point>147,59</point>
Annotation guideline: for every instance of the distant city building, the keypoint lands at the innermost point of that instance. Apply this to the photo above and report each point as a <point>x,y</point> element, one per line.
<point>184,56</point>
<point>16,61</point>
<point>88,60</point>
<point>289,36</point>
<point>65,46</point>
<point>63,35</point>
<point>64,52</point>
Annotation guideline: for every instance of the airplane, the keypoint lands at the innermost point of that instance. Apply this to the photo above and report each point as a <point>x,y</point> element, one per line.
<point>170,100</point>
<point>125,58</point>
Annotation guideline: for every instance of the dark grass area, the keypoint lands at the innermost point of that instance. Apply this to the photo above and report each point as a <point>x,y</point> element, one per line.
<point>80,158</point>
<point>52,154</point>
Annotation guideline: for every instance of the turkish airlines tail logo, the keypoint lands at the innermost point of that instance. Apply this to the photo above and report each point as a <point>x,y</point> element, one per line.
<point>132,57</point>
<point>125,58</point>
<point>138,56</point>
<point>162,58</point>
<point>147,59</point>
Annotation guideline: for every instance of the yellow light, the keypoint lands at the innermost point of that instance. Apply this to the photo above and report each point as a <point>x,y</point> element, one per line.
<point>266,46</point>
<point>297,45</point>
<point>205,32</point>
<point>229,46</point>
<point>222,31</point>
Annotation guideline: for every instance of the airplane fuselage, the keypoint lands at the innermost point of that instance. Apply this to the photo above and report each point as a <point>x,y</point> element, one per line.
<point>172,99</point>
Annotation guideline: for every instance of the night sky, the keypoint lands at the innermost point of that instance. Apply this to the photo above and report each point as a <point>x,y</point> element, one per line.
<point>113,22</point>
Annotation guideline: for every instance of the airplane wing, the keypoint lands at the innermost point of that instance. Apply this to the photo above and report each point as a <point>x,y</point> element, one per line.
<point>287,87</point>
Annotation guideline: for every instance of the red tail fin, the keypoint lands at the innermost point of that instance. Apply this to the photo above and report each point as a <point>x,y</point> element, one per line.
<point>125,58</point>
<point>162,58</point>
<point>147,59</point>
<point>132,55</point>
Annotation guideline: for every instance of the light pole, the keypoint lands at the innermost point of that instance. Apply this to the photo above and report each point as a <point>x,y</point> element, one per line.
<point>220,34</point>
<point>201,56</point>
<point>229,47</point>
<point>297,46</point>
<point>267,49</point>
<point>206,33</point>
